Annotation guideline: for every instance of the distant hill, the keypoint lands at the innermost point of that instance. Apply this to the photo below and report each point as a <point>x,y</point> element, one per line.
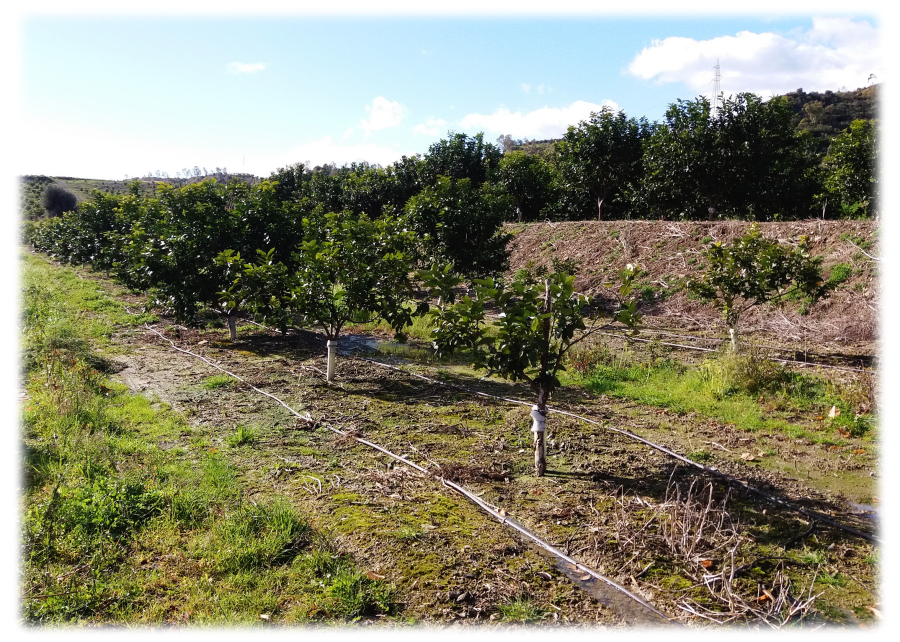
<point>823,114</point>
<point>32,187</point>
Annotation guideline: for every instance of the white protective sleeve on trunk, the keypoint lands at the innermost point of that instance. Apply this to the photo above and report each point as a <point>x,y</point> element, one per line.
<point>539,420</point>
<point>332,348</point>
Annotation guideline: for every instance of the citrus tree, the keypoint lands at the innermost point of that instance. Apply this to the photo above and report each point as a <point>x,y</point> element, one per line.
<point>754,270</point>
<point>538,324</point>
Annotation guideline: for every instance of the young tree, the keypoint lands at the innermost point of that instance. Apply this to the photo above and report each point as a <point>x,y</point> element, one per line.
<point>538,324</point>
<point>755,270</point>
<point>57,200</point>
<point>603,154</point>
<point>347,268</point>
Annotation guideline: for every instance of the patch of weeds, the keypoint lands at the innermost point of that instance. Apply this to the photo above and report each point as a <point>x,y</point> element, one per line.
<point>701,456</point>
<point>243,436</point>
<point>522,610</point>
<point>256,536</point>
<point>217,381</point>
<point>840,273</point>
<point>354,595</point>
<point>706,239</point>
<point>828,579</point>
<point>408,533</point>
<point>812,558</point>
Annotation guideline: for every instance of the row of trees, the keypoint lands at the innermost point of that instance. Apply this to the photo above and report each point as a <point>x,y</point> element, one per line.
<point>746,160</point>
<point>260,249</point>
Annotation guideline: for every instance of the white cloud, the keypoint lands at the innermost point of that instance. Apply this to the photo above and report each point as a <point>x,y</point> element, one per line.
<point>347,134</point>
<point>833,53</point>
<point>383,114</point>
<point>431,127</point>
<point>546,122</point>
<point>325,150</point>
<point>525,87</point>
<point>245,68</point>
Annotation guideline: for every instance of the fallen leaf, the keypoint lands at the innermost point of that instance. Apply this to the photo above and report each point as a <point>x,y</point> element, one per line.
<point>706,563</point>
<point>875,611</point>
<point>843,433</point>
<point>859,451</point>
<point>502,512</point>
<point>820,417</point>
<point>372,575</point>
<point>747,457</point>
<point>264,616</point>
<point>200,343</point>
<point>834,412</point>
<point>835,448</point>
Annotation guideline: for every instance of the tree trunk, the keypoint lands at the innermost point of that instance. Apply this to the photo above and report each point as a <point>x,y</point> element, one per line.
<point>599,209</point>
<point>538,427</point>
<point>519,213</point>
<point>232,326</point>
<point>735,344</point>
<point>539,412</point>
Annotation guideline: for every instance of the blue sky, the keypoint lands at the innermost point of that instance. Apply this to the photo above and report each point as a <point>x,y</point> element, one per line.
<point>110,96</point>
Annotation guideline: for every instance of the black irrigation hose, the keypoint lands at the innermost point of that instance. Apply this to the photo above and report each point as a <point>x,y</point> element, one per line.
<point>699,349</point>
<point>712,471</point>
<point>601,587</point>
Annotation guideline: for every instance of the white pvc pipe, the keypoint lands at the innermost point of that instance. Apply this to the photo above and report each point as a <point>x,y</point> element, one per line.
<point>332,348</point>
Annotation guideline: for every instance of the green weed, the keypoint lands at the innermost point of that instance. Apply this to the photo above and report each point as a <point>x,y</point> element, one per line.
<point>243,435</point>
<point>521,609</point>
<point>217,381</point>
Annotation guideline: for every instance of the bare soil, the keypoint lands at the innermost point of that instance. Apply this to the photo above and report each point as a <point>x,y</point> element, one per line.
<point>846,322</point>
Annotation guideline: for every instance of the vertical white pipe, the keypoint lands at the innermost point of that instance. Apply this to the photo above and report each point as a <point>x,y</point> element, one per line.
<point>332,348</point>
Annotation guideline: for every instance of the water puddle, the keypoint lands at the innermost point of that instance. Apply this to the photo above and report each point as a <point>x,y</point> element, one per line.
<point>357,344</point>
<point>877,514</point>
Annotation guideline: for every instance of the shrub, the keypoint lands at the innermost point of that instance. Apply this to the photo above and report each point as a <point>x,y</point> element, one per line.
<point>57,200</point>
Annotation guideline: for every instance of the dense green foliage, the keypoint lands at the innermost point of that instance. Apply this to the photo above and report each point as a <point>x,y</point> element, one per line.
<point>753,271</point>
<point>851,167</point>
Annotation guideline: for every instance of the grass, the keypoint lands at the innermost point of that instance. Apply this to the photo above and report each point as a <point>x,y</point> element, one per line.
<point>218,381</point>
<point>243,436</point>
<point>116,530</point>
<point>740,389</point>
<point>521,610</point>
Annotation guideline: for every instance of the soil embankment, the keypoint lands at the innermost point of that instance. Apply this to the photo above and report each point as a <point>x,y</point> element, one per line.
<point>669,251</point>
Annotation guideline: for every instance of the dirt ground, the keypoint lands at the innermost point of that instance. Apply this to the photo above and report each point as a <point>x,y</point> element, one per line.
<point>846,322</point>
<point>607,500</point>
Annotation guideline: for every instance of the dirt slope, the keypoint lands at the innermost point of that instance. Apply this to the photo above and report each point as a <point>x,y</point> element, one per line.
<point>668,251</point>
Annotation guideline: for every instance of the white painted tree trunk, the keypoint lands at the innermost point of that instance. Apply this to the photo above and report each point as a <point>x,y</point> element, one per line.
<point>538,427</point>
<point>735,343</point>
<point>232,326</point>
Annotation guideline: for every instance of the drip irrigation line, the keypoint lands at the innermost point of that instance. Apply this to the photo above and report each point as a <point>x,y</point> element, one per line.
<point>710,470</point>
<point>698,348</point>
<point>499,514</point>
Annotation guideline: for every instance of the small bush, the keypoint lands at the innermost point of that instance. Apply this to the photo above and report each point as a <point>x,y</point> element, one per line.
<point>57,200</point>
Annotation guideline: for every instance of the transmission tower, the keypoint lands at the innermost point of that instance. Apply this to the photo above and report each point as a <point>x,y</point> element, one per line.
<point>717,90</point>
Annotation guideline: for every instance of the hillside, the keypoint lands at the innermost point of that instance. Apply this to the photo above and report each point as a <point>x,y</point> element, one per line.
<point>670,251</point>
<point>32,186</point>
